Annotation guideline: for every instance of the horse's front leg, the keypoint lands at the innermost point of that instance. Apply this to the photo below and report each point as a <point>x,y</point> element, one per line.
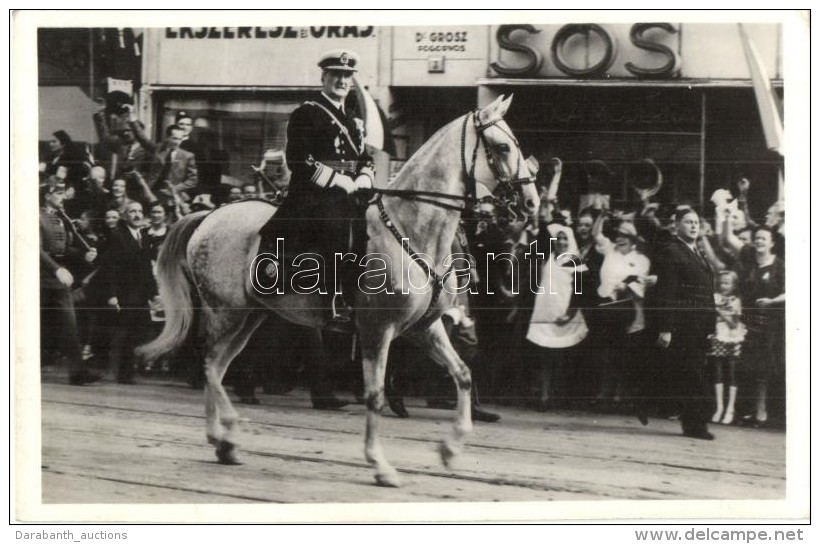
<point>438,347</point>
<point>374,361</point>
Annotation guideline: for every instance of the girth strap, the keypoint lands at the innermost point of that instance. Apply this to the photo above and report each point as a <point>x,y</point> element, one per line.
<point>438,281</point>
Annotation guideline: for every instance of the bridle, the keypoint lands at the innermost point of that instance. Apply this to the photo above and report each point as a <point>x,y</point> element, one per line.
<point>470,198</point>
<point>510,183</point>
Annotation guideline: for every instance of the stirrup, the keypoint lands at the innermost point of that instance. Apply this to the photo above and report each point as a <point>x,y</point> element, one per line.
<point>340,313</point>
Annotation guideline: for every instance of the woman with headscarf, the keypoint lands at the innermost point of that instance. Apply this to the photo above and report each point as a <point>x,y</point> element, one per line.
<point>556,325</point>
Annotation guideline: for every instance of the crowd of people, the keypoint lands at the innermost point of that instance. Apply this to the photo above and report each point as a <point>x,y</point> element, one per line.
<point>650,309</point>
<point>658,310</point>
<point>105,212</point>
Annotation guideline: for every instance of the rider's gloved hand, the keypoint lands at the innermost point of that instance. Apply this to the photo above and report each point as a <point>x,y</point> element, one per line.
<point>344,182</point>
<point>364,182</point>
<point>365,178</point>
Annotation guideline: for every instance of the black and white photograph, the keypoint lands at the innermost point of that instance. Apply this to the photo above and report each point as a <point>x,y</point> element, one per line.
<point>410,266</point>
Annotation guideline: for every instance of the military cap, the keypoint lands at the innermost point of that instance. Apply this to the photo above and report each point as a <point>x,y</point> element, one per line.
<point>50,187</point>
<point>339,59</point>
<point>55,184</point>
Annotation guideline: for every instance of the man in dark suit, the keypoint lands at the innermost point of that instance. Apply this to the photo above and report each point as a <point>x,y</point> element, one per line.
<point>119,148</point>
<point>130,285</point>
<point>211,160</point>
<point>130,154</point>
<point>685,316</point>
<point>172,168</point>
<point>172,171</point>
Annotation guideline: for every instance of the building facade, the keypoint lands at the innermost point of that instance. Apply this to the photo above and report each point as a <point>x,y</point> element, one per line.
<point>678,93</point>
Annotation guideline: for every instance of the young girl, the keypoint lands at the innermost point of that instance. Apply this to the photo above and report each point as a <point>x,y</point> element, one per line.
<point>726,343</point>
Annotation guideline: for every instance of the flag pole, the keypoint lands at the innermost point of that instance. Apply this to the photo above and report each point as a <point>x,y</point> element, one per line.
<point>766,104</point>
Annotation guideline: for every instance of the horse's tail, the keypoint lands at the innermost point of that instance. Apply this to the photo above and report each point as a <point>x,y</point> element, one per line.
<point>176,289</point>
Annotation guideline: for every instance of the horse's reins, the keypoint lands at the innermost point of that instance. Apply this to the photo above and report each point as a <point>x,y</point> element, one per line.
<point>469,198</point>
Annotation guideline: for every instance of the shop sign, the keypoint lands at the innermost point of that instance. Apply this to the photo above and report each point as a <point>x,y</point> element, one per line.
<point>439,55</point>
<point>258,32</point>
<point>451,42</point>
<point>588,51</point>
<point>254,56</point>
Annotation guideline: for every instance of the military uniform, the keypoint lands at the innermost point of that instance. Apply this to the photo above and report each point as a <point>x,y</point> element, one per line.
<point>58,319</point>
<point>316,215</point>
<point>326,156</point>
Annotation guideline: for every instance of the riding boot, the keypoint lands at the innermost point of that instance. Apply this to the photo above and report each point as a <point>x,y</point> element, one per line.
<point>341,306</point>
<point>719,400</point>
<point>341,313</point>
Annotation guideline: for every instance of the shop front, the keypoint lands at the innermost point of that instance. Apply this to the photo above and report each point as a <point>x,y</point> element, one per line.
<point>243,82</point>
<point>433,71</point>
<point>679,94</point>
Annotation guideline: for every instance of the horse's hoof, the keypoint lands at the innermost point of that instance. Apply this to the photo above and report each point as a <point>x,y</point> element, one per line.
<point>226,453</point>
<point>447,453</point>
<point>388,478</point>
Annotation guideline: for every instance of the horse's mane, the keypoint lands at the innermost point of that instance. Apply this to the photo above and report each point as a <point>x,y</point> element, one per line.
<point>423,151</point>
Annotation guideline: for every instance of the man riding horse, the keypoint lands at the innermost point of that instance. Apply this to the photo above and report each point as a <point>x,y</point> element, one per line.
<point>325,153</point>
<point>203,270</point>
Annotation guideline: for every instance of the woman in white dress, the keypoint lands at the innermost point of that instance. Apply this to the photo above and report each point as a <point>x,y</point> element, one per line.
<point>556,325</point>
<point>624,280</point>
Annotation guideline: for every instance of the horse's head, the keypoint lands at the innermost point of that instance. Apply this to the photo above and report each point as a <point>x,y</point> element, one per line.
<point>503,163</point>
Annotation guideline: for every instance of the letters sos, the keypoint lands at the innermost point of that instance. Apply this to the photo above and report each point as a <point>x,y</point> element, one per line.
<point>637,33</point>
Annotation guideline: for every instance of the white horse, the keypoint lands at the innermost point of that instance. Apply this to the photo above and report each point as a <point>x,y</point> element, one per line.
<point>205,262</point>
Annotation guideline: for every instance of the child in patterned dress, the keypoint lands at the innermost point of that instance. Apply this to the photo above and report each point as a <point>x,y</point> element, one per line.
<point>726,344</point>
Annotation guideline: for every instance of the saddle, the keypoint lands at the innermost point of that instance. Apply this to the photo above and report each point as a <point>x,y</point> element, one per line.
<point>290,261</point>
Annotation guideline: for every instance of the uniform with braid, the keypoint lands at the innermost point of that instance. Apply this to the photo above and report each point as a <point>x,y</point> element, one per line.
<point>323,142</point>
<point>58,319</point>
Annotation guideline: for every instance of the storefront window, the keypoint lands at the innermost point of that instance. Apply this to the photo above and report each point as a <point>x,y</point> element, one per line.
<point>619,127</point>
<point>242,127</point>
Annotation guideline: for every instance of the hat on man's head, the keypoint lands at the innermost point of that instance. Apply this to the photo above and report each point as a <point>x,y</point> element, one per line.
<point>182,114</point>
<point>598,168</point>
<point>202,201</point>
<point>55,184</point>
<point>339,59</point>
<point>627,229</point>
